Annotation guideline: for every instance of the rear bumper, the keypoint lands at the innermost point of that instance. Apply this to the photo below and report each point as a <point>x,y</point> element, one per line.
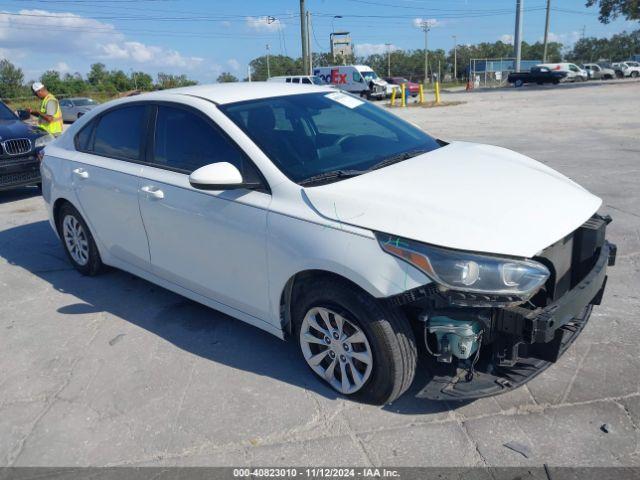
<point>550,331</point>
<point>19,171</point>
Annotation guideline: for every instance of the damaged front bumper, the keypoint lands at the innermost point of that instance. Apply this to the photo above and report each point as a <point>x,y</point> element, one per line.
<point>546,333</point>
<point>474,352</point>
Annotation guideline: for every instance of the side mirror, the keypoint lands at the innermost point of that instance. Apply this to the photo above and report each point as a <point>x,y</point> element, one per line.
<point>23,115</point>
<point>217,176</point>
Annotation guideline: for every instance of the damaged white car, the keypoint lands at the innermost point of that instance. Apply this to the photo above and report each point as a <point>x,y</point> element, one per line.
<point>324,219</point>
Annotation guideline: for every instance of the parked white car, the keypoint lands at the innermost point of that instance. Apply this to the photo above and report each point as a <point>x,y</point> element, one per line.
<point>627,69</point>
<point>597,72</point>
<point>320,217</point>
<point>574,72</point>
<point>303,79</point>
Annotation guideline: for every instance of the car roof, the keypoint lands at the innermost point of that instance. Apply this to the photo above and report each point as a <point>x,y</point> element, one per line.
<point>223,93</point>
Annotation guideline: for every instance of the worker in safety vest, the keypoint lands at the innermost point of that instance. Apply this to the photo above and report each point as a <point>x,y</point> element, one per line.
<point>50,115</point>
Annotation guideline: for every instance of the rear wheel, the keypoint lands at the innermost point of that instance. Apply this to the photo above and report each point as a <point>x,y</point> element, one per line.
<point>78,242</point>
<point>353,342</point>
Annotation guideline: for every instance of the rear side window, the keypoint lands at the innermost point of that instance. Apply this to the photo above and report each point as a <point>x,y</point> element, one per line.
<point>118,133</point>
<point>84,137</point>
<point>296,80</point>
<point>185,141</point>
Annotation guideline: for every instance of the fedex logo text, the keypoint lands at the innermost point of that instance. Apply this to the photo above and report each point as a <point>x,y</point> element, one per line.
<point>335,77</point>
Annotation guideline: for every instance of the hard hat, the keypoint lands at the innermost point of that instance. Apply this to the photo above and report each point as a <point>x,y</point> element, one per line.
<point>37,86</point>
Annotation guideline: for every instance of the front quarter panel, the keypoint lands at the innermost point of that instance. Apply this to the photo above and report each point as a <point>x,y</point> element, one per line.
<point>296,245</point>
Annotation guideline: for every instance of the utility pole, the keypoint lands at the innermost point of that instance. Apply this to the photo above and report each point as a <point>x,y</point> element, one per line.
<point>546,32</point>
<point>455,58</point>
<point>304,37</point>
<point>388,59</point>
<point>309,52</point>
<point>517,40</point>
<point>268,65</point>
<point>425,28</point>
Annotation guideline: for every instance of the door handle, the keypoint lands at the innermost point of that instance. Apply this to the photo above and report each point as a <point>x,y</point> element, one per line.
<point>81,172</point>
<point>153,192</point>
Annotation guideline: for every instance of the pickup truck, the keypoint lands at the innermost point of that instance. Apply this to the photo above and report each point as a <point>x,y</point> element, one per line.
<point>537,75</point>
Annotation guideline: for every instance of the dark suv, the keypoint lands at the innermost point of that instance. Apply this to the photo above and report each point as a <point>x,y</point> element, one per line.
<point>20,148</point>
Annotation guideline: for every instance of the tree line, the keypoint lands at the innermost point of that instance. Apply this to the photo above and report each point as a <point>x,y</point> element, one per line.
<point>98,80</point>
<point>404,63</point>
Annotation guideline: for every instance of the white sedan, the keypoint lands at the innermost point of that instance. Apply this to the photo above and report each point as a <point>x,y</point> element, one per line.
<point>320,217</point>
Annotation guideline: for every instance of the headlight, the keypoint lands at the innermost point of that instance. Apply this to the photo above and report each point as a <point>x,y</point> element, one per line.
<point>469,272</point>
<point>43,140</point>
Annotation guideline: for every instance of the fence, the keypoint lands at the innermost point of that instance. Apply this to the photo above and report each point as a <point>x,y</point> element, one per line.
<point>493,72</point>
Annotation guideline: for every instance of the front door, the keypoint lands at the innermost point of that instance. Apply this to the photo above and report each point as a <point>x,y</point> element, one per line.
<point>210,242</point>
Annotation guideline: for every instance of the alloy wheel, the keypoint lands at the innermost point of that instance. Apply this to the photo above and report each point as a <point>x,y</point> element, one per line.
<point>337,349</point>
<point>75,239</point>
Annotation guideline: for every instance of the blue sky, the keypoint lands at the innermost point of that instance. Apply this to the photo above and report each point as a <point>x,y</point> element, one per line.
<point>203,38</point>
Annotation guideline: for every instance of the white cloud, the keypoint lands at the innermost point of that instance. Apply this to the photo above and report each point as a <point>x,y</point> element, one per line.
<point>366,49</point>
<point>225,24</point>
<point>567,39</point>
<point>37,31</point>
<point>431,22</point>
<point>506,38</point>
<point>264,24</point>
<point>233,64</point>
<point>62,67</point>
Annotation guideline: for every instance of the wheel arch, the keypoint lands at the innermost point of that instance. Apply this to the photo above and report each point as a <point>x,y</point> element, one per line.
<point>294,287</point>
<point>57,206</point>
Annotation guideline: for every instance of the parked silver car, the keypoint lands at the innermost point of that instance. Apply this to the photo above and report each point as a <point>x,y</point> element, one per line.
<point>73,108</point>
<point>597,72</point>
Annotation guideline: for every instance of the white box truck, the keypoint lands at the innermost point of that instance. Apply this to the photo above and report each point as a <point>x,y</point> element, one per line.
<point>357,79</point>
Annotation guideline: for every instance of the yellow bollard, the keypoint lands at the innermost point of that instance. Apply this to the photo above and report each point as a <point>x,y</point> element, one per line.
<point>437,90</point>
<point>393,97</point>
<point>404,97</point>
<point>421,94</point>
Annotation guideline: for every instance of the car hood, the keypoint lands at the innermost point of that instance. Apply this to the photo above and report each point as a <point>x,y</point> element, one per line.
<point>17,129</point>
<point>464,196</point>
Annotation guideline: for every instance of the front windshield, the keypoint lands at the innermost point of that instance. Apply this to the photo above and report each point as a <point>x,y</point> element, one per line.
<point>6,113</point>
<point>369,75</point>
<point>311,134</point>
<point>83,102</point>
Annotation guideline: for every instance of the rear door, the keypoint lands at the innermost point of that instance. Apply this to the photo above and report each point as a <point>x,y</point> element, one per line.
<point>106,181</point>
<point>210,242</point>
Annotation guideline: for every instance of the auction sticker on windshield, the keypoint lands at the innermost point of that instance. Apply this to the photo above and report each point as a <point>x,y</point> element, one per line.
<point>346,100</point>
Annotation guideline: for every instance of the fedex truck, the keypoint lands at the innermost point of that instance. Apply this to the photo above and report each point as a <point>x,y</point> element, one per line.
<point>358,79</point>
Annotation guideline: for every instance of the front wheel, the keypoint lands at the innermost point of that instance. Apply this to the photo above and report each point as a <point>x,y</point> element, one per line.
<point>635,74</point>
<point>353,342</point>
<point>78,242</point>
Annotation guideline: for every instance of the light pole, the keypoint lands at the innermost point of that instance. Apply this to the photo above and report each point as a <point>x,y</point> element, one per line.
<point>303,37</point>
<point>425,28</point>
<point>388,59</point>
<point>268,66</point>
<point>455,58</point>
<point>546,33</point>
<point>333,32</point>
<point>517,40</point>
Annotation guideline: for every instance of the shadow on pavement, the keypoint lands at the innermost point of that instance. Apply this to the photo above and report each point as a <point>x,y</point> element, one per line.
<point>188,325</point>
<point>16,194</point>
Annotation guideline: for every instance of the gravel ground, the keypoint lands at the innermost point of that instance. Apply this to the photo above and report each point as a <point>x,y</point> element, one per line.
<point>113,370</point>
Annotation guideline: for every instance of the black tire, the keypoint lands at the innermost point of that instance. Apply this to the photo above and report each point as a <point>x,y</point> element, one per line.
<point>634,74</point>
<point>518,83</point>
<point>93,266</point>
<point>388,331</point>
